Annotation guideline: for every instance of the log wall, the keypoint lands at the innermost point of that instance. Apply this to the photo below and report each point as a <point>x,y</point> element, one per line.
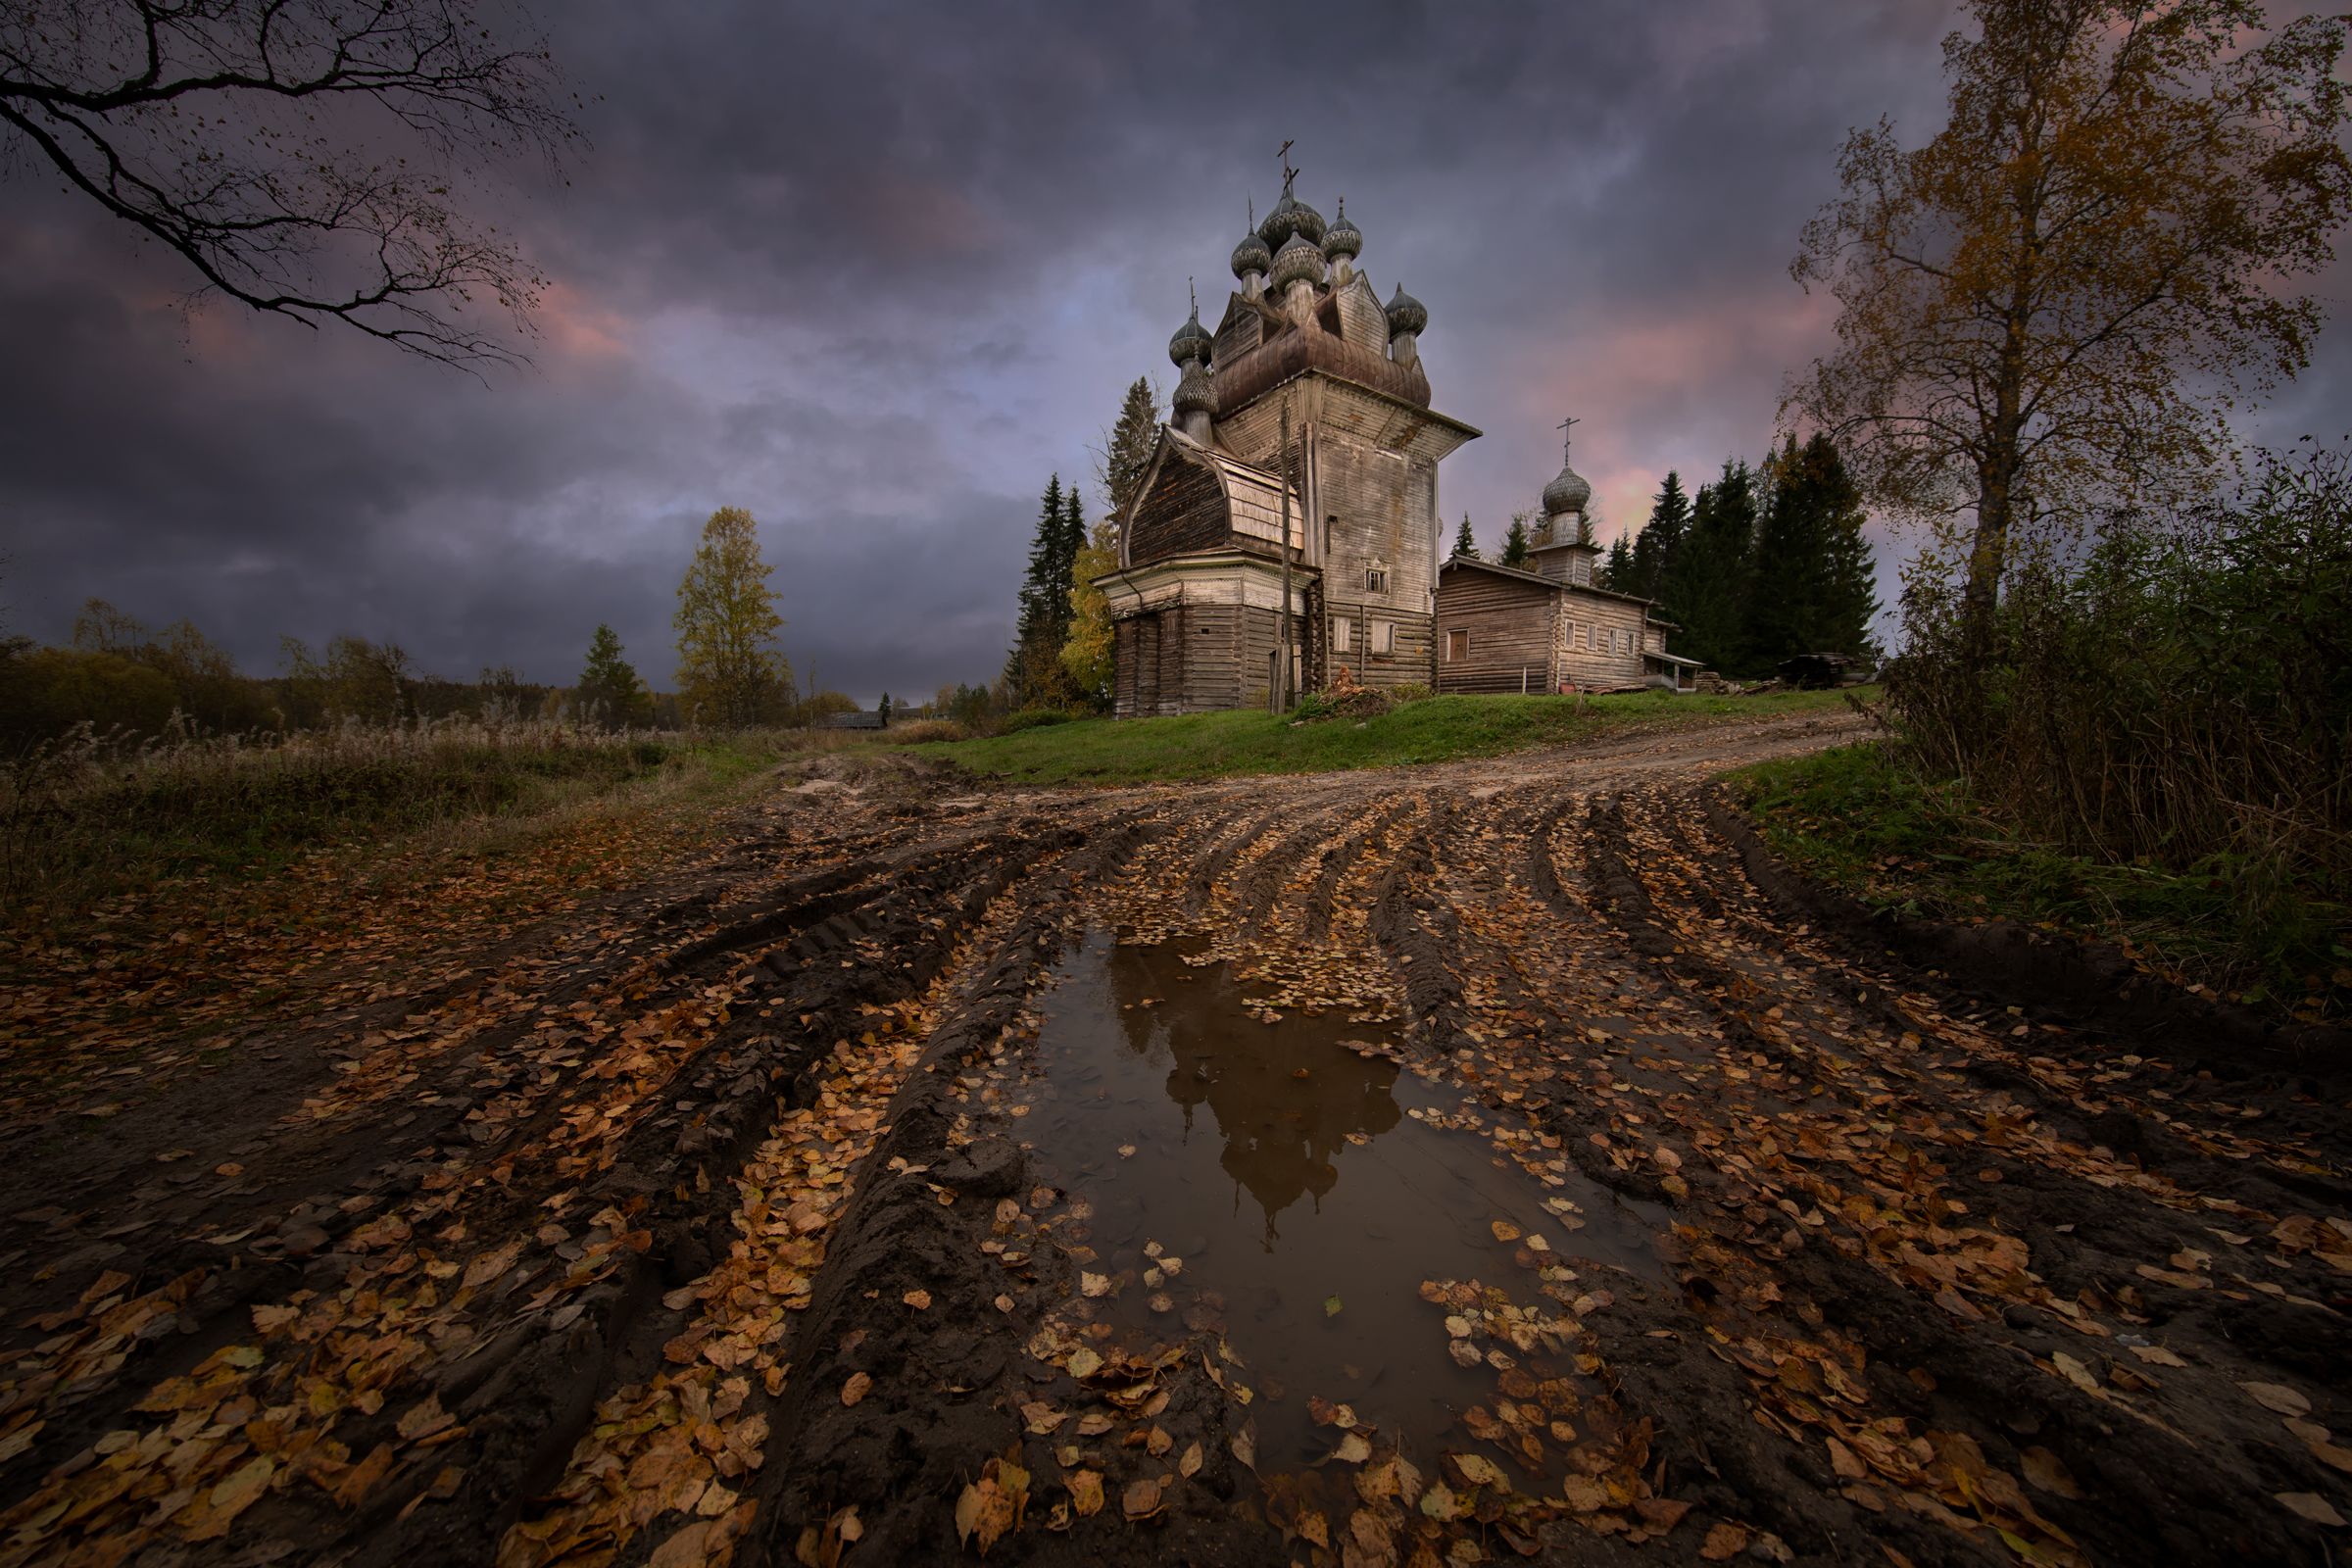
<point>1512,628</point>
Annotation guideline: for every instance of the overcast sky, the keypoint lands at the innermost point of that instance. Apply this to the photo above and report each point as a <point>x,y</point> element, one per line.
<point>875,270</point>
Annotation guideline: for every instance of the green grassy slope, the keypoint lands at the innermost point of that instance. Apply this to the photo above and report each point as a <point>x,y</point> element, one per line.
<point>1853,817</point>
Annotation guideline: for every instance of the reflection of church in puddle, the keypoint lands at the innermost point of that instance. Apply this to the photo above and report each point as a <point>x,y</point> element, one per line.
<point>1284,1098</point>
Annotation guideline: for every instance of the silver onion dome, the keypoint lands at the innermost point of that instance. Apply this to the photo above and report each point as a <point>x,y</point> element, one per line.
<point>1290,216</point>
<point>1567,492</point>
<point>1298,260</point>
<point>1191,342</point>
<point>1342,238</point>
<point>1252,255</point>
<point>1195,393</point>
<point>1406,314</point>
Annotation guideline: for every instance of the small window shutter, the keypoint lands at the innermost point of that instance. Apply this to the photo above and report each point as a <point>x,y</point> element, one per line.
<point>1343,634</point>
<point>1384,636</point>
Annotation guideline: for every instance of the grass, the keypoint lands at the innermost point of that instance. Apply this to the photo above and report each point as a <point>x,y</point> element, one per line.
<point>1436,730</point>
<point>1856,817</point>
<point>83,822</point>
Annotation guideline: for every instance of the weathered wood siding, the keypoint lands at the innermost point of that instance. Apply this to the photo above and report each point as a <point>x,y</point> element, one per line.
<point>1511,628</point>
<point>1600,642</point>
<point>1184,511</point>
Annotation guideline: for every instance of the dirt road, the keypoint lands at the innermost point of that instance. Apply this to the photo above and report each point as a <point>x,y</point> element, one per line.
<point>1444,1166</point>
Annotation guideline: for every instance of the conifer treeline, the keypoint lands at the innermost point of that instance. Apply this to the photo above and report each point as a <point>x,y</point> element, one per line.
<point>1032,672</point>
<point>1765,563</point>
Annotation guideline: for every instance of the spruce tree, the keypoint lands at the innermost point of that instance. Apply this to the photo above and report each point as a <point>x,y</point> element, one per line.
<point>1706,585</point>
<point>1515,544</point>
<point>1127,445</point>
<point>1813,587</point>
<point>610,692</point>
<point>1669,522</point>
<point>1465,543</point>
<point>1034,668</point>
<point>1617,570</point>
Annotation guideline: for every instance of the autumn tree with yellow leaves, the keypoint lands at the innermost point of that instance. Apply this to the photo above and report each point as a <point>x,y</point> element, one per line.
<point>731,672</point>
<point>2053,306</point>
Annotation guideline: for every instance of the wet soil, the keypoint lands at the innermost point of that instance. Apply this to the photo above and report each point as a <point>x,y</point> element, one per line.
<point>1523,1165</point>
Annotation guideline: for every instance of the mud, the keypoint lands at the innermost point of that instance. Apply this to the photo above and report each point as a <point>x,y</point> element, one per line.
<point>1523,1164</point>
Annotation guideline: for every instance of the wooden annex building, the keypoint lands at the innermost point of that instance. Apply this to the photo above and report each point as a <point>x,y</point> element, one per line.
<point>1546,630</point>
<point>1205,571</point>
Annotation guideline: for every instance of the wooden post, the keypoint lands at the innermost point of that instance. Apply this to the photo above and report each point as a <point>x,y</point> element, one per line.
<point>1273,692</point>
<point>1283,684</point>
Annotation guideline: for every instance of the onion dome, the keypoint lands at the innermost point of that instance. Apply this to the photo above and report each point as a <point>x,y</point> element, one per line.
<point>1191,341</point>
<point>1195,393</point>
<point>1297,262</point>
<point>1567,492</point>
<point>1289,216</point>
<point>1251,256</point>
<point>1342,238</point>
<point>1406,314</point>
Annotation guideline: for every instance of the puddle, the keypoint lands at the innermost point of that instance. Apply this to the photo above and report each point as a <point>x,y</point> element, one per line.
<point>1288,1174</point>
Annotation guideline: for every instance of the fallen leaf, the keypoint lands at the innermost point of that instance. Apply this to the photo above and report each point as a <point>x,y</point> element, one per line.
<point>2044,1471</point>
<point>1188,1464</point>
<point>856,1388</point>
<point>1086,1492</point>
<point>1353,1448</point>
<point>1142,1498</point>
<point>1504,1229</point>
<point>1331,1306</point>
<point>2312,1506</point>
<point>1724,1541</point>
<point>1479,1470</point>
<point>920,1300</point>
<point>2276,1396</point>
<point>2075,1372</point>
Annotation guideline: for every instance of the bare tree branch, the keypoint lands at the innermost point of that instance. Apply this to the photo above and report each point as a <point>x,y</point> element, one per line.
<point>302,156</point>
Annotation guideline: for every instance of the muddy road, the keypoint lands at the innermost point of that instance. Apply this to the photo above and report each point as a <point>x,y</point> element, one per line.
<point>1457,1164</point>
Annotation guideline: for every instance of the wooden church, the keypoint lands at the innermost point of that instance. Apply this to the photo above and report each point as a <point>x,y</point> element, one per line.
<point>1551,627</point>
<point>1207,568</point>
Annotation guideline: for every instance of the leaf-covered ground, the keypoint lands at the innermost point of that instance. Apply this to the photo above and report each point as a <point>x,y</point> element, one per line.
<point>691,1220</point>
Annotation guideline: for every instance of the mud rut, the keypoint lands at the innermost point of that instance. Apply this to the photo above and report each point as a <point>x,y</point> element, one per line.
<point>704,1229</point>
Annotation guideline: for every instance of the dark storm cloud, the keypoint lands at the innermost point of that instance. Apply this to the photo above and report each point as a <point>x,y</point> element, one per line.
<point>873,271</point>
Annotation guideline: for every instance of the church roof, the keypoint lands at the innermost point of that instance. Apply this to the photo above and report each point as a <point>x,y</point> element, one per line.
<point>1470,563</point>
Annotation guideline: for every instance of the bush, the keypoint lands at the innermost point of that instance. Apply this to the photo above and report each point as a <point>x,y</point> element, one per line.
<point>915,731</point>
<point>1032,718</point>
<point>2178,697</point>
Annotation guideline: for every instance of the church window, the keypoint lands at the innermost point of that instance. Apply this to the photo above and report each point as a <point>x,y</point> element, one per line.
<point>1376,580</point>
<point>1457,645</point>
<point>1384,637</point>
<point>1343,634</point>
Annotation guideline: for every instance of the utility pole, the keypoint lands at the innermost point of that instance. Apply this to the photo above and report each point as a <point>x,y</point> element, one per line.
<point>1283,685</point>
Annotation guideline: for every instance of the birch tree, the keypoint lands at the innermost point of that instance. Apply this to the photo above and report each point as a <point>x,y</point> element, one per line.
<point>2055,304</point>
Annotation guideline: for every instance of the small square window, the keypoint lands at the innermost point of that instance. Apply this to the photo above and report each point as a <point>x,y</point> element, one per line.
<point>1457,645</point>
<point>1376,580</point>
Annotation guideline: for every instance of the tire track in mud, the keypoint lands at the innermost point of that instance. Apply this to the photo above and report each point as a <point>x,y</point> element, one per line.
<point>715,1239</point>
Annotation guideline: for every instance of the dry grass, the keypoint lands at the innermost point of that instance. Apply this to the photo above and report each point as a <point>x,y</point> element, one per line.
<point>90,816</point>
